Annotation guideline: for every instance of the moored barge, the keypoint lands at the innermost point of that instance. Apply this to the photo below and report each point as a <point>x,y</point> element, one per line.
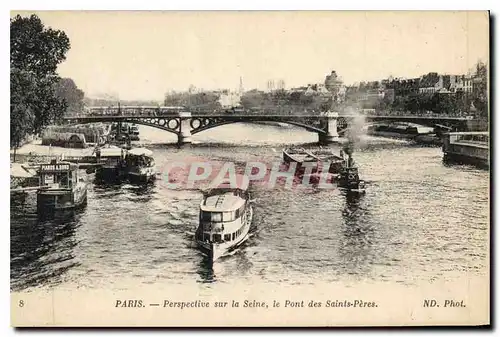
<point>467,148</point>
<point>313,159</point>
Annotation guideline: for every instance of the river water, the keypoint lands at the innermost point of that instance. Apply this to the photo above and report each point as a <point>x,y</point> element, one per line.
<point>420,220</point>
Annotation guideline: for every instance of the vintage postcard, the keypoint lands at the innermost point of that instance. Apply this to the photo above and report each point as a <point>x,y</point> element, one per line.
<point>249,169</point>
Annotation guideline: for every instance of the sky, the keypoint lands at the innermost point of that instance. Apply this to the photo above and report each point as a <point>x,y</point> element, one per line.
<point>142,55</point>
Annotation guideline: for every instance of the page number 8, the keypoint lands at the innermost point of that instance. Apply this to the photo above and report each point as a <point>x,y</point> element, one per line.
<point>21,303</point>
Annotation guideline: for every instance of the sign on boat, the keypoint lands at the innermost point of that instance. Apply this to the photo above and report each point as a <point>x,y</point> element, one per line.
<point>60,187</point>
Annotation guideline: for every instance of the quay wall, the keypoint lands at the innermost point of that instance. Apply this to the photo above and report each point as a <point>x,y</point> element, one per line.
<point>467,153</point>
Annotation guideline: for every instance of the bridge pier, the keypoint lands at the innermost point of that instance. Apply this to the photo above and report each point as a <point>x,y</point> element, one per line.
<point>331,135</point>
<point>184,135</point>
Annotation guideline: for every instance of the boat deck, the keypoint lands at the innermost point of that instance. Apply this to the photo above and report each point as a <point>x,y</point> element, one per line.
<point>471,143</point>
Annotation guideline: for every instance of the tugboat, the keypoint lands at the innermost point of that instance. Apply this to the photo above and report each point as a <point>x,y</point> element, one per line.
<point>225,217</point>
<point>140,165</point>
<point>348,177</point>
<point>60,188</point>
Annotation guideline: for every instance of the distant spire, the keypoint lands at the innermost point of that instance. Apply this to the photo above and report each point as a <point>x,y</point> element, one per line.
<point>241,85</point>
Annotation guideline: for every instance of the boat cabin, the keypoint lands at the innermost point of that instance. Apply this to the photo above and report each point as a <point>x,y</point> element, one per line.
<point>140,157</point>
<point>469,137</point>
<point>134,129</point>
<point>58,175</point>
<point>221,213</point>
<point>110,156</point>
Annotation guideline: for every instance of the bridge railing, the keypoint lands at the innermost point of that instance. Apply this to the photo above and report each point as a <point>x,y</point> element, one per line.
<point>419,114</point>
<point>167,111</point>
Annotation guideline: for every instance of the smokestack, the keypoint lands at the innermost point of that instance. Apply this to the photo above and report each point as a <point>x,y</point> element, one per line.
<point>348,148</point>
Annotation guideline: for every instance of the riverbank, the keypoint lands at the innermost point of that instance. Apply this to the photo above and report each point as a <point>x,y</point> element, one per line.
<point>36,152</point>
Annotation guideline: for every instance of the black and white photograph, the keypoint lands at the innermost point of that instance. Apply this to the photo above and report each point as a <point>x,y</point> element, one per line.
<point>249,168</point>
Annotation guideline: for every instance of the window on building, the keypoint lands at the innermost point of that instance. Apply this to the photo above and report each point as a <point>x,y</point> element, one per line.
<point>227,237</point>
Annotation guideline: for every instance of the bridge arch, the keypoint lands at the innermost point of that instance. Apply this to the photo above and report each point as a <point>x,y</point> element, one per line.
<point>215,124</point>
<point>135,121</point>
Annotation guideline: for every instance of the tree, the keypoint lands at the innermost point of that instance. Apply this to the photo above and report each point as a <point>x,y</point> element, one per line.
<point>67,91</point>
<point>22,116</point>
<point>35,52</point>
<point>480,90</point>
<point>34,48</point>
<point>383,104</point>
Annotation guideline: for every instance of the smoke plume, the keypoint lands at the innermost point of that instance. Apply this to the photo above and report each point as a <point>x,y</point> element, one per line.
<point>355,130</point>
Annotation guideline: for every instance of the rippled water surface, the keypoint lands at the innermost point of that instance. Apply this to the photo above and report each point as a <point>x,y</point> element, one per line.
<point>419,221</point>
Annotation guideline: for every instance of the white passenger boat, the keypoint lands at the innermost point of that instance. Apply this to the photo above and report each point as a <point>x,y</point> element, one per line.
<point>224,221</point>
<point>140,165</point>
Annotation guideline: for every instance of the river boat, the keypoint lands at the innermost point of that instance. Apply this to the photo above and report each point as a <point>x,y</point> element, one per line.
<point>22,176</point>
<point>348,177</point>
<point>467,148</point>
<point>224,219</point>
<point>134,129</point>
<point>121,140</point>
<point>398,130</point>
<point>140,165</point>
<point>134,132</point>
<point>60,187</point>
<point>314,158</point>
<point>428,139</point>
<point>125,128</point>
<point>110,163</point>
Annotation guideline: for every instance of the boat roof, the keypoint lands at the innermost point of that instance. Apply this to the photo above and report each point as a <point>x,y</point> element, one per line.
<point>473,133</point>
<point>111,152</point>
<point>443,126</point>
<point>312,155</point>
<point>20,171</point>
<point>224,201</point>
<point>140,151</point>
<point>238,181</point>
